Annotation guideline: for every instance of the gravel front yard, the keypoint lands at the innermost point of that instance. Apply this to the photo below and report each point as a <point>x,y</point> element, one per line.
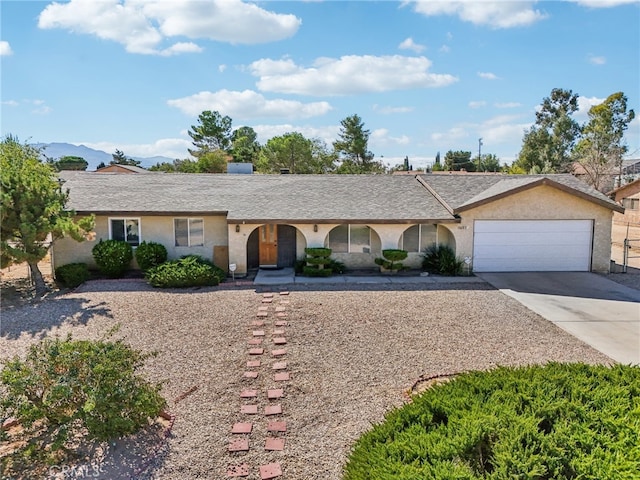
<point>352,356</point>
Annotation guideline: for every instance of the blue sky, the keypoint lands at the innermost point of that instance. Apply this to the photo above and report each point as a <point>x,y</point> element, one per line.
<point>423,76</point>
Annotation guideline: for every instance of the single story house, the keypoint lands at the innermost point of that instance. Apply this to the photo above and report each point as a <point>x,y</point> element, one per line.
<point>495,222</point>
<point>628,196</point>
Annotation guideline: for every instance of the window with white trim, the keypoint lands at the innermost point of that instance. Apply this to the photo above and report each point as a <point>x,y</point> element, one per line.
<point>188,232</point>
<point>418,237</point>
<point>125,229</point>
<point>631,203</point>
<point>350,239</point>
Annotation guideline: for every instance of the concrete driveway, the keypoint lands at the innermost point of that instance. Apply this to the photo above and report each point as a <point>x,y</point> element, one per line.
<point>598,311</point>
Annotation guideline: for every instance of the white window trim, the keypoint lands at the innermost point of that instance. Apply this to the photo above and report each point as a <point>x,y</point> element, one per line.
<point>110,219</point>
<point>188,219</point>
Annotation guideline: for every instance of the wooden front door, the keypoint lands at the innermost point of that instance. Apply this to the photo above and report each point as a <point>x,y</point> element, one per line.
<point>268,245</point>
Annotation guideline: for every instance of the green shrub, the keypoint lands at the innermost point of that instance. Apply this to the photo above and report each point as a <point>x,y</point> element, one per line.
<point>72,274</point>
<point>189,271</point>
<point>113,257</point>
<point>558,421</point>
<point>150,254</point>
<point>337,266</point>
<point>317,262</point>
<point>218,272</point>
<point>392,259</point>
<point>67,392</point>
<point>441,259</point>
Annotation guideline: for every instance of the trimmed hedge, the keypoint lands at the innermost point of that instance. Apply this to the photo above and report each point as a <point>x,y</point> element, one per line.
<point>72,275</point>
<point>150,254</point>
<point>189,271</point>
<point>113,257</point>
<point>392,259</point>
<point>558,421</point>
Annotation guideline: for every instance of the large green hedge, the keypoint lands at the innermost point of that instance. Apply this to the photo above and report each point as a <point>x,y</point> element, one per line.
<point>189,271</point>
<point>559,421</point>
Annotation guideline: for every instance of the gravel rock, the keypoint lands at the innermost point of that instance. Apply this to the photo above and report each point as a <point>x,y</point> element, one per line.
<point>352,354</point>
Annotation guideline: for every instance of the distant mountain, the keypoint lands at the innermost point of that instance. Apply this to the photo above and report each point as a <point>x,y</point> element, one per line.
<point>93,157</point>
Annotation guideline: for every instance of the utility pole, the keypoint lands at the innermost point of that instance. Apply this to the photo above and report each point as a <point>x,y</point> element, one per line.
<point>479,152</point>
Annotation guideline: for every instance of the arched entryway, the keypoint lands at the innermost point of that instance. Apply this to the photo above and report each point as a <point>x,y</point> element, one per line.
<point>272,246</point>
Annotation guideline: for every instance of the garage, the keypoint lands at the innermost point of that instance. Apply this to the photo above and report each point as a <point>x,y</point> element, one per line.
<point>532,245</point>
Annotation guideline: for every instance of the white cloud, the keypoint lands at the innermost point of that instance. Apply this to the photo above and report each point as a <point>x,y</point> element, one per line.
<point>604,3</point>
<point>508,105</point>
<point>350,74</point>
<point>477,104</point>
<point>248,104</point>
<point>222,68</point>
<point>409,44</point>
<point>381,138</point>
<point>488,75</point>
<point>5,48</point>
<point>584,105</point>
<point>452,135</point>
<point>181,47</point>
<point>166,147</point>
<point>495,14</point>
<point>142,26</point>
<point>389,110</point>
<point>597,60</point>
<point>444,49</point>
<point>10,103</point>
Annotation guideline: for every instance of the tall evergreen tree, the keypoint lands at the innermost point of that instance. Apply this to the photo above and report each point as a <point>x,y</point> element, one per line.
<point>352,148</point>
<point>213,132</point>
<point>32,207</point>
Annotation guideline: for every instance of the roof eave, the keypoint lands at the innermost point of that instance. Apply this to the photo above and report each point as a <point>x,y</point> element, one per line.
<point>537,183</point>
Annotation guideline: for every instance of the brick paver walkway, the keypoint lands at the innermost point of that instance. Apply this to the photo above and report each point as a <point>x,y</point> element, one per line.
<point>267,376</point>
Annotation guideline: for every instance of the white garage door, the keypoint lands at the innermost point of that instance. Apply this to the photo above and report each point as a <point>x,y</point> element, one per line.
<point>532,245</point>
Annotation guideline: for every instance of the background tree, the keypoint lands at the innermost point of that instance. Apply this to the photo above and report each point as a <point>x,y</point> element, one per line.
<point>488,163</point>
<point>32,206</point>
<point>244,145</point>
<point>119,158</point>
<point>70,162</point>
<point>437,166</point>
<point>601,148</point>
<point>547,146</point>
<point>296,153</point>
<point>213,132</point>
<point>352,148</point>
<point>212,162</point>
<point>458,160</point>
<point>100,165</point>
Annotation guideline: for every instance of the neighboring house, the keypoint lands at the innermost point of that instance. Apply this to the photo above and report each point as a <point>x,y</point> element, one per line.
<point>119,168</point>
<point>500,222</point>
<point>629,197</point>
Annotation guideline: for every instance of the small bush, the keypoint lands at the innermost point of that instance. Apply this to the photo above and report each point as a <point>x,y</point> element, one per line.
<point>72,274</point>
<point>68,392</point>
<point>392,259</point>
<point>313,271</point>
<point>441,259</point>
<point>219,273</point>
<point>150,254</point>
<point>190,271</point>
<point>317,262</point>
<point>558,421</point>
<point>337,266</point>
<point>113,257</point>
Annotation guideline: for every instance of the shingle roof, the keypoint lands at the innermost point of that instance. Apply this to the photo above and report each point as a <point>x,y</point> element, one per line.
<point>300,198</point>
<point>306,198</point>
<point>461,192</point>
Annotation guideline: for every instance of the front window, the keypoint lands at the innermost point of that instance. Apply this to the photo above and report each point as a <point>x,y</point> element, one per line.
<point>350,239</point>
<point>418,237</point>
<point>126,230</point>
<point>189,232</point>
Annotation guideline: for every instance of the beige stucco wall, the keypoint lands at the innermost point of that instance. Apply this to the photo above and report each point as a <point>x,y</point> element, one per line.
<point>629,216</point>
<point>540,203</point>
<point>383,236</point>
<point>152,229</point>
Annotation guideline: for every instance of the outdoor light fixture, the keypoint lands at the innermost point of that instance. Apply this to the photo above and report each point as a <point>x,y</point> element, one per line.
<point>315,228</point>
<point>238,228</point>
